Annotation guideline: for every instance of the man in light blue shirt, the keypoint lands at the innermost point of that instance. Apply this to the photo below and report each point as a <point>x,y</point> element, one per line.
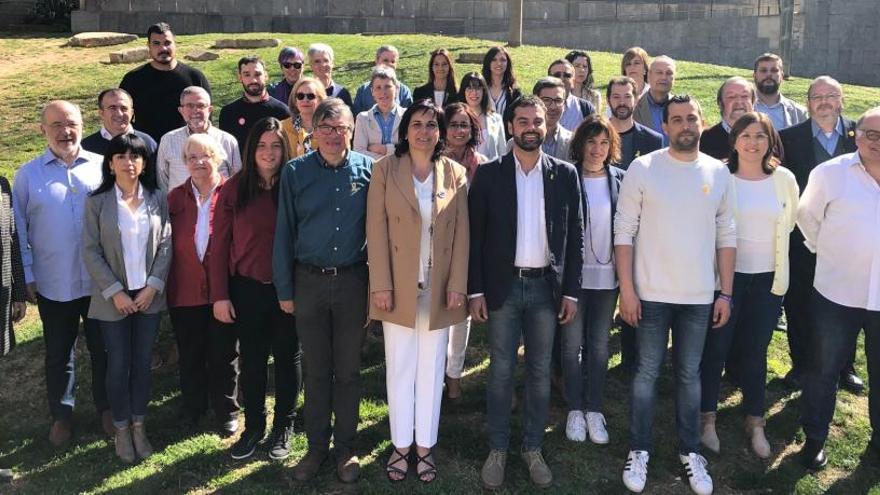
<point>385,55</point>
<point>48,197</point>
<point>768,77</point>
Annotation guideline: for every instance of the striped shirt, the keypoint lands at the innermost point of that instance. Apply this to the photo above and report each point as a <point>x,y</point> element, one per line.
<point>171,168</point>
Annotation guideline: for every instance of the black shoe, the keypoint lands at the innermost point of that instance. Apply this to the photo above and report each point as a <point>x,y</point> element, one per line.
<point>279,443</point>
<point>852,383</point>
<point>793,379</point>
<point>246,445</point>
<point>813,455</point>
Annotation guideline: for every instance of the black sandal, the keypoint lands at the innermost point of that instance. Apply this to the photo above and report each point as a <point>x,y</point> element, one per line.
<point>390,468</point>
<point>431,470</point>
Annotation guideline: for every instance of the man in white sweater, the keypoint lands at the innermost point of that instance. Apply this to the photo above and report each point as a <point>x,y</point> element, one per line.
<point>674,223</point>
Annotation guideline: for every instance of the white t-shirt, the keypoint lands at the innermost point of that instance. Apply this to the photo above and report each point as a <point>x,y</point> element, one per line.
<point>425,193</point>
<point>598,269</point>
<point>757,210</point>
<point>439,96</point>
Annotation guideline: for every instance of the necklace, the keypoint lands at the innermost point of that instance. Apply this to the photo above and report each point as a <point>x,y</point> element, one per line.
<point>590,232</point>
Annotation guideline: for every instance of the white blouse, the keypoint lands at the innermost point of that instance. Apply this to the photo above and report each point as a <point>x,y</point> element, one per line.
<point>757,211</point>
<point>203,222</point>
<point>134,229</point>
<point>425,195</point>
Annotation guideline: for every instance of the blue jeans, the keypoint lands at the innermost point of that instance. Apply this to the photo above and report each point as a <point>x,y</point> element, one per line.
<point>529,311</point>
<point>129,344</point>
<point>689,323</point>
<point>585,349</point>
<point>835,329</point>
<point>752,320</point>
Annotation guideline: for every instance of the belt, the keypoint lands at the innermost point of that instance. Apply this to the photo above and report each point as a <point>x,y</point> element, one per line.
<point>330,271</point>
<point>530,272</point>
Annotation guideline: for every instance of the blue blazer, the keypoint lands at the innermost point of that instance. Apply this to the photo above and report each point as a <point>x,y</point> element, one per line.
<point>492,206</point>
<point>645,140</point>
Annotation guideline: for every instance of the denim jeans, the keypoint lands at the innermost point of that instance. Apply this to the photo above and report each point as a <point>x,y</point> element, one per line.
<point>835,329</point>
<point>529,311</point>
<point>752,320</point>
<point>129,343</point>
<point>585,349</point>
<point>689,323</point>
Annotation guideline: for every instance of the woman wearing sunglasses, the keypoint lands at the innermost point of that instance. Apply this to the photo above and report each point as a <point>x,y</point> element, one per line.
<point>291,61</point>
<point>307,93</point>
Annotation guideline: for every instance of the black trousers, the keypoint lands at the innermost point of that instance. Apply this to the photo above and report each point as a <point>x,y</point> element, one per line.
<point>331,314</point>
<point>262,329</point>
<point>208,362</point>
<point>60,330</point>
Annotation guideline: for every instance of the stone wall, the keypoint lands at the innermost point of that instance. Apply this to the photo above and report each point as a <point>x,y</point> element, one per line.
<point>831,36</point>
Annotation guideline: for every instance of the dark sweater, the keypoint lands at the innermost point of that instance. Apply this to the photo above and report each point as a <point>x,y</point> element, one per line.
<point>156,96</point>
<point>97,144</point>
<point>238,117</point>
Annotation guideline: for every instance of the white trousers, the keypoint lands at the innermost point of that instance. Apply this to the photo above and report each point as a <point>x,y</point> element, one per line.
<point>414,362</point>
<point>458,341</point>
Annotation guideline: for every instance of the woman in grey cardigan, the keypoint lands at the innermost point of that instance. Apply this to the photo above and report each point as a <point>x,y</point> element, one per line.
<point>126,248</point>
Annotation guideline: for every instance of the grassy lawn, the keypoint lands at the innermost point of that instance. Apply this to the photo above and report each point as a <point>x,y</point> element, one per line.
<point>38,69</point>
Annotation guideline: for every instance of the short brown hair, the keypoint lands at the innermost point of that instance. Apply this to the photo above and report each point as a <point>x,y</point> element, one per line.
<point>592,126</point>
<point>768,57</point>
<point>620,81</point>
<point>768,162</point>
<point>632,53</point>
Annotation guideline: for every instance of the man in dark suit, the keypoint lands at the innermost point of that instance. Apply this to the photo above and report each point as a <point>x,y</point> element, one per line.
<point>635,139</point>
<point>525,274</point>
<point>825,135</point>
<point>735,97</point>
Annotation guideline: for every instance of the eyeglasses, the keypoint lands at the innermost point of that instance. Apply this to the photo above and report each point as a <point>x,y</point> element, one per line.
<point>871,134</point>
<point>460,126</point>
<point>295,65</point>
<point>563,75</point>
<point>195,106</point>
<point>831,97</point>
<point>198,158</point>
<point>552,101</point>
<point>326,130</point>
<point>306,96</point>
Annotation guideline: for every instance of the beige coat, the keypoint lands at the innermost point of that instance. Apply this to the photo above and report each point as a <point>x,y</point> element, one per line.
<point>394,235</point>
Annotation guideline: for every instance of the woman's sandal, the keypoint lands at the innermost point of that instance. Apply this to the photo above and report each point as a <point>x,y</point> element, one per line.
<point>431,470</point>
<point>391,468</point>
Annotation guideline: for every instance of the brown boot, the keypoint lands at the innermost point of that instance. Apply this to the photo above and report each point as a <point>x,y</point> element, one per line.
<point>348,467</point>
<point>59,434</point>
<point>124,445</point>
<point>708,435</point>
<point>141,443</point>
<point>453,388</point>
<point>755,431</point>
<point>309,465</point>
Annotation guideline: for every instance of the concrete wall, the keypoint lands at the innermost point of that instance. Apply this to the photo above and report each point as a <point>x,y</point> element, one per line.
<point>831,36</point>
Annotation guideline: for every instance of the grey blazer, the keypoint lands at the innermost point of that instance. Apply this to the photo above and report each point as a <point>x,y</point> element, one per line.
<point>103,256</point>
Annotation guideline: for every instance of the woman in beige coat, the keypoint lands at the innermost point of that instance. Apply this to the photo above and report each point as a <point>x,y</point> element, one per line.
<point>417,238</point>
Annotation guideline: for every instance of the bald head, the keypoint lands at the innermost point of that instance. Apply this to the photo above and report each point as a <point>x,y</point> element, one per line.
<point>661,77</point>
<point>868,138</point>
<point>825,100</point>
<point>61,124</point>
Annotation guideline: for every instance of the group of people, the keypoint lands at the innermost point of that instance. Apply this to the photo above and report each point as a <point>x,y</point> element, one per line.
<point>306,214</point>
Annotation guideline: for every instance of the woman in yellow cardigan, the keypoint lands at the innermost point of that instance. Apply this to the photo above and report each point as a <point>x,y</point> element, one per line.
<point>766,210</point>
<point>305,96</point>
<point>418,238</point>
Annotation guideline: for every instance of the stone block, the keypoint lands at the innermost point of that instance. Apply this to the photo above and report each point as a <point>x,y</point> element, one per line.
<point>201,56</point>
<point>247,43</point>
<point>93,39</point>
<point>130,56</point>
<point>470,58</point>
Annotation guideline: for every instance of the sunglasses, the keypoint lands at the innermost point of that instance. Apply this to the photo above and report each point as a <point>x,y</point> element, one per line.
<point>295,65</point>
<point>562,75</point>
<point>306,96</point>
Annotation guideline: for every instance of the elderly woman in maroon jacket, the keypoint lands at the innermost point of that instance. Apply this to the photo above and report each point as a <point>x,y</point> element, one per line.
<point>208,354</point>
<point>242,290</point>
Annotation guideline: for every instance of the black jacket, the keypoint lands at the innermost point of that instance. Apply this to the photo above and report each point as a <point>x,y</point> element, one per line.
<point>427,92</point>
<point>645,140</point>
<point>493,208</point>
<point>800,156</point>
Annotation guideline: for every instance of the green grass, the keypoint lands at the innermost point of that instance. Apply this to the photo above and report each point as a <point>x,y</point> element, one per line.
<point>40,70</point>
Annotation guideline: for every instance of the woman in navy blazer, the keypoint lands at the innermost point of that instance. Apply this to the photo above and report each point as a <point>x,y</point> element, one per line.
<point>441,77</point>
<point>127,251</point>
<point>595,146</point>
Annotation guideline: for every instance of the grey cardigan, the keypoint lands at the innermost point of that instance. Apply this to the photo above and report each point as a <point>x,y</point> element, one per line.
<point>103,256</point>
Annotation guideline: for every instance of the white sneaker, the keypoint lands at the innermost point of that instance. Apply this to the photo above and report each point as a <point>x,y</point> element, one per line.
<point>596,426</point>
<point>576,427</point>
<point>695,467</point>
<point>635,472</point>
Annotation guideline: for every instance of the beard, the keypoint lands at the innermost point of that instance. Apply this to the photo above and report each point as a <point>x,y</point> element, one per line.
<point>528,145</point>
<point>255,89</point>
<point>685,141</point>
<point>622,112</point>
<point>768,87</point>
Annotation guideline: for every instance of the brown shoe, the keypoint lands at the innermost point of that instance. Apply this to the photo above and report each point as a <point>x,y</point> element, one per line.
<point>59,434</point>
<point>124,445</point>
<point>309,465</point>
<point>348,468</point>
<point>141,442</point>
<point>453,389</point>
<point>107,423</point>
